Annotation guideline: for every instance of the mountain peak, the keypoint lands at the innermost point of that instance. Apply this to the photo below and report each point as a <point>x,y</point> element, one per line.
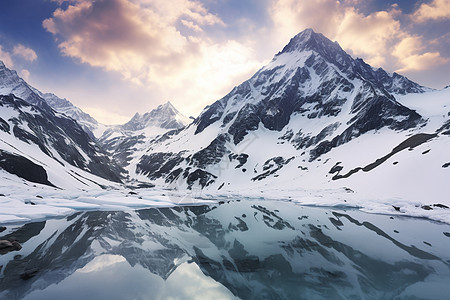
<point>168,103</point>
<point>164,116</point>
<point>309,40</point>
<point>167,108</point>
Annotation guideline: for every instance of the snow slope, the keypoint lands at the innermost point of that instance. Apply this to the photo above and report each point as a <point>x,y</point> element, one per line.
<point>42,146</point>
<point>88,123</point>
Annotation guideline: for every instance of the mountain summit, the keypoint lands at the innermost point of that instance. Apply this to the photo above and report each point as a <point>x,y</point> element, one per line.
<point>310,40</point>
<point>313,118</point>
<point>165,116</point>
<point>12,83</point>
<point>128,142</point>
<point>317,43</point>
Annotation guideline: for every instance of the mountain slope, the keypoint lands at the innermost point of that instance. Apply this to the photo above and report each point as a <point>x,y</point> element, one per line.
<point>59,151</point>
<point>286,126</point>
<point>11,83</point>
<point>54,128</point>
<point>88,123</point>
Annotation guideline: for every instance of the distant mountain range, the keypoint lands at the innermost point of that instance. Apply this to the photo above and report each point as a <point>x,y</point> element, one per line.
<point>314,117</point>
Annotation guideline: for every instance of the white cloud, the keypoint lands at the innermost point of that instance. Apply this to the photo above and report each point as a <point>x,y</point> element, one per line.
<point>5,56</point>
<point>436,10</point>
<point>136,38</point>
<point>142,41</point>
<point>408,51</point>
<point>191,25</point>
<point>25,74</point>
<point>25,52</point>
<point>368,36</point>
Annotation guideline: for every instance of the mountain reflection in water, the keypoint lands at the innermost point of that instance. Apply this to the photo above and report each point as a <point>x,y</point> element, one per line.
<point>240,249</point>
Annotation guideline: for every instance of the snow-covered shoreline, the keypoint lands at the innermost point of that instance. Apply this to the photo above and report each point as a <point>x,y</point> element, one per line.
<point>23,202</point>
<point>346,199</point>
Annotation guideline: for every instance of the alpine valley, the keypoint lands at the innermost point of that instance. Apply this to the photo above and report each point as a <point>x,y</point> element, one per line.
<point>314,126</point>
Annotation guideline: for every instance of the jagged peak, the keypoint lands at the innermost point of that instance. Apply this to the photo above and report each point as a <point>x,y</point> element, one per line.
<point>167,108</point>
<point>308,39</point>
<point>168,104</point>
<point>164,116</point>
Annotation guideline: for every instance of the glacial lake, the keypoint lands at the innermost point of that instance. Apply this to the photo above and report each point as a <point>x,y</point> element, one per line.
<point>259,249</point>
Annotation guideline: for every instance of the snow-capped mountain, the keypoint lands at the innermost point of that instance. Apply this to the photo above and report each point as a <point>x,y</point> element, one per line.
<point>43,146</point>
<point>11,83</point>
<point>88,123</point>
<point>126,143</point>
<point>314,118</point>
<point>288,125</point>
<point>165,116</point>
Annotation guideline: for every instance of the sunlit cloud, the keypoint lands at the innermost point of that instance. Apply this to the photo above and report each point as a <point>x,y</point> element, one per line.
<point>436,10</point>
<point>5,56</point>
<point>146,42</point>
<point>18,50</point>
<point>368,36</point>
<point>25,52</point>
<point>109,116</point>
<point>25,74</point>
<point>191,25</point>
<point>408,54</point>
<point>291,16</point>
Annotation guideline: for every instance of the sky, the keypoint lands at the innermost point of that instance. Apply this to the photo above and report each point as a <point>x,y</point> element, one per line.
<point>113,58</point>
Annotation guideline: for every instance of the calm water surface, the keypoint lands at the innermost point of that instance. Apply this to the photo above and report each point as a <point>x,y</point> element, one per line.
<point>235,250</point>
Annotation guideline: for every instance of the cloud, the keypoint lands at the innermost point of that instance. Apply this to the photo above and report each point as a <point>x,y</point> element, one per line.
<point>153,43</point>
<point>191,25</point>
<point>19,50</point>
<point>368,36</point>
<point>436,10</point>
<point>291,16</point>
<point>408,53</point>
<point>5,56</point>
<point>139,39</point>
<point>378,37</point>
<point>111,116</point>
<point>25,52</point>
<point>25,74</point>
